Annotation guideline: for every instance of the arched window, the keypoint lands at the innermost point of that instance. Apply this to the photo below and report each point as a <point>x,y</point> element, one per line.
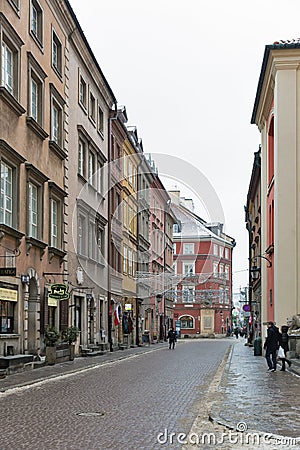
<point>187,322</point>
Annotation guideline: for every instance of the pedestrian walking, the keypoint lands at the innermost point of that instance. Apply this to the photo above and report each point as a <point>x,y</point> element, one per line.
<point>271,346</point>
<point>172,338</point>
<point>236,332</point>
<point>284,343</point>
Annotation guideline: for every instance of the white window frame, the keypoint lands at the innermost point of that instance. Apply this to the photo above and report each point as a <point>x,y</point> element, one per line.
<point>188,268</point>
<point>125,259</point>
<point>216,250</point>
<point>215,268</point>
<point>92,107</point>
<point>82,91</point>
<point>56,53</point>
<point>6,195</point>
<point>81,234</point>
<point>81,157</point>
<point>188,248</point>
<point>57,116</point>
<point>226,253</point>
<point>190,291</point>
<point>100,121</point>
<point>33,210</point>
<point>37,22</point>
<point>91,167</point>
<point>54,223</point>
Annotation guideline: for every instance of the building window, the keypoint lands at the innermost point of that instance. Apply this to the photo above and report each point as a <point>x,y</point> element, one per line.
<point>32,210</point>
<point>216,250</point>
<point>92,168</point>
<point>100,121</point>
<point>36,98</point>
<point>188,249</point>
<point>176,228</point>
<point>7,68</point>
<point>36,21</point>
<point>55,129</point>
<point>221,251</point>
<point>56,53</point>
<point>92,241</point>
<point>6,198</point>
<point>215,268</point>
<point>7,316</point>
<point>188,294</point>
<point>188,268</point>
<point>82,92</point>
<point>81,157</point>
<point>54,223</point>
<point>226,272</point>
<point>187,322</point>
<point>81,233</point>
<point>227,253</point>
<point>124,259</point>
<point>99,177</point>
<point>130,262</point>
<point>56,121</point>
<point>100,243</point>
<point>92,108</point>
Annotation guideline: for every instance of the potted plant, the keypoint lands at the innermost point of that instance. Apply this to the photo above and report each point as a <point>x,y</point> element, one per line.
<point>70,335</point>
<point>51,338</point>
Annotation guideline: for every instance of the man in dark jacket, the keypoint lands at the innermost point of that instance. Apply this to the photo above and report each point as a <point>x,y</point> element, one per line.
<point>271,346</point>
<point>172,338</point>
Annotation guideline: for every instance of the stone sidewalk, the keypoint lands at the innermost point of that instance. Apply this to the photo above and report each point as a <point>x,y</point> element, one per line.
<point>255,400</point>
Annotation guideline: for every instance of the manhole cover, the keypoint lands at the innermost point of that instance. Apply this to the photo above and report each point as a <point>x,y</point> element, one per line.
<point>91,414</point>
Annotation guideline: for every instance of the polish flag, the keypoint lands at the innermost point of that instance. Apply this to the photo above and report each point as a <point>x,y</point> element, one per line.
<point>116,314</point>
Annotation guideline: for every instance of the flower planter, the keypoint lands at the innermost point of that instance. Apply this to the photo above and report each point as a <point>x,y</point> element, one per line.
<point>51,355</point>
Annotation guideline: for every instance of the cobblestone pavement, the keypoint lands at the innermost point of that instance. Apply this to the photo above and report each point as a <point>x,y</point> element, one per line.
<point>244,396</point>
<point>131,403</point>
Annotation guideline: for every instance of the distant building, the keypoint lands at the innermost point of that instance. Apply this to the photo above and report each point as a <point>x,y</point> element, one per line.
<point>202,281</point>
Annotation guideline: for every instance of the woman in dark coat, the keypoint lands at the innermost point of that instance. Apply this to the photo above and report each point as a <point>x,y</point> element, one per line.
<point>284,343</point>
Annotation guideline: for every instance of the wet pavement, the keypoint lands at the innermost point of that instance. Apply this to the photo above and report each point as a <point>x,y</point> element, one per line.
<point>242,396</point>
<point>255,400</point>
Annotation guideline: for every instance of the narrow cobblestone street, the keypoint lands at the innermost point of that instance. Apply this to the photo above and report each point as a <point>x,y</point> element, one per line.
<point>123,404</point>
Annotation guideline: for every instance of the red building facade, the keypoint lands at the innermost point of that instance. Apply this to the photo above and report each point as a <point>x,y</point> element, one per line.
<point>202,281</point>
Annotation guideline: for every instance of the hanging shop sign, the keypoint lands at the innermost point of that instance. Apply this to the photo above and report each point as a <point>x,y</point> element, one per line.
<point>59,292</point>
<point>128,307</point>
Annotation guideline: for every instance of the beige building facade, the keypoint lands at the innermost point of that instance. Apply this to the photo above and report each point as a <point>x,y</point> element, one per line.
<point>33,152</point>
<point>276,114</point>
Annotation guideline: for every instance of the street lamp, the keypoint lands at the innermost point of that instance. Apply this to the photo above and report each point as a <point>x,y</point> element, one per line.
<point>255,270</point>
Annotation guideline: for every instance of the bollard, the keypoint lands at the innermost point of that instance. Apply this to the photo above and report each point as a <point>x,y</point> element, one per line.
<point>257,346</point>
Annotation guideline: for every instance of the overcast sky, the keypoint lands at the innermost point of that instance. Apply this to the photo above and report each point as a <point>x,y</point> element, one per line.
<point>187,72</point>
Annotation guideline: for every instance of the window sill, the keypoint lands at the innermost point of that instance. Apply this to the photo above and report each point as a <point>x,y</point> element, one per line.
<point>53,251</point>
<point>5,229</point>
<point>32,242</point>
<point>36,127</point>
<point>57,150</point>
<point>11,101</point>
